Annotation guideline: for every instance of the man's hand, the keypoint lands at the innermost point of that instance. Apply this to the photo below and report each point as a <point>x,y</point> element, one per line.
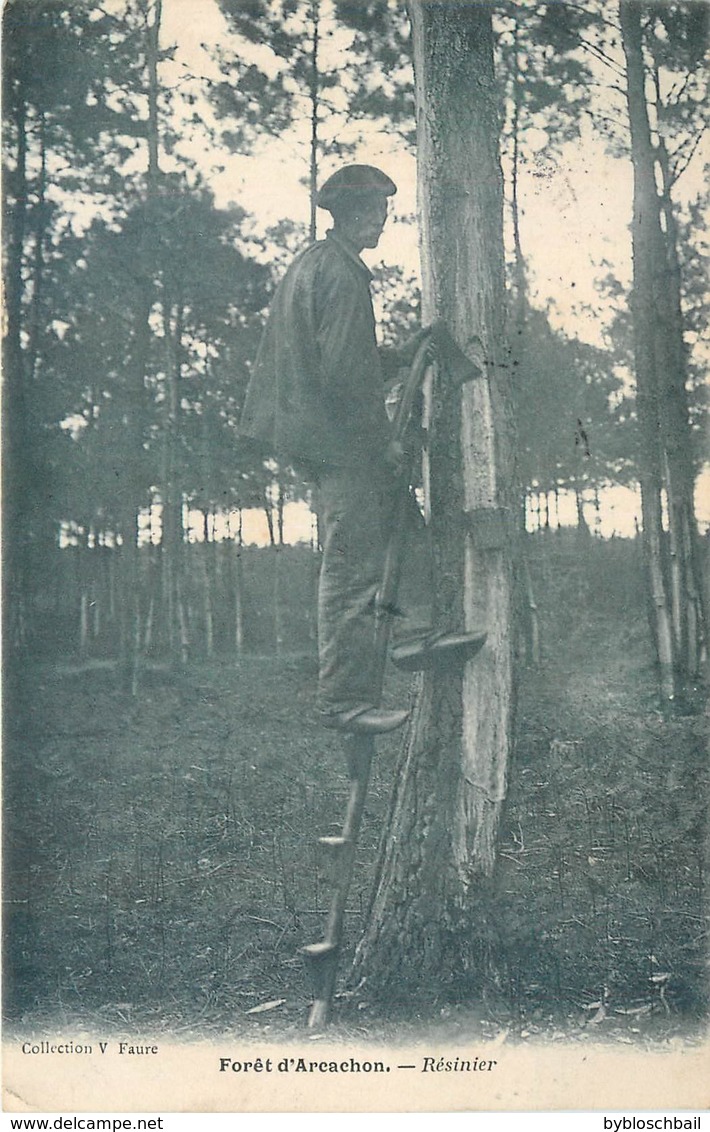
<point>400,454</point>
<point>406,353</point>
<point>395,456</point>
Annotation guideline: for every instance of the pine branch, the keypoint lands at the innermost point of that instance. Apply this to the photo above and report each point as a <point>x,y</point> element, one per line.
<point>677,170</point>
<point>615,27</point>
<point>616,122</point>
<point>594,49</point>
<point>601,55</point>
<point>673,97</point>
<point>607,86</point>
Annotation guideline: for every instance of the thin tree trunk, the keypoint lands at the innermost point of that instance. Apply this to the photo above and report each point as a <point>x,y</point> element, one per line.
<point>678,603</point>
<point>207,596</point>
<point>520,294</point>
<point>130,635</point>
<point>39,242</point>
<point>582,524</point>
<point>646,241</point>
<point>280,512</point>
<point>88,552</point>
<point>173,528</point>
<point>152,56</point>
<point>277,601</point>
<point>269,513</point>
<point>16,431</point>
<point>696,607</point>
<point>526,615</point>
<point>451,783</point>
<point>526,603</point>
<point>129,617</point>
<point>597,512</point>
<point>238,604</point>
<point>661,624</point>
<point>133,635</point>
<point>529,620</point>
<point>690,633</point>
<point>97,597</point>
<point>239,592</point>
<point>136,625</point>
<point>314,93</point>
<point>84,621</point>
<point>148,630</point>
<point>112,583</point>
<point>183,622</point>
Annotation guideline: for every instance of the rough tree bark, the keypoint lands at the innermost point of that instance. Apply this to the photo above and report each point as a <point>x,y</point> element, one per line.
<point>314,97</point>
<point>173,537</point>
<point>527,615</point>
<point>15,430</point>
<point>691,632</point>
<point>451,783</point>
<point>131,619</point>
<point>650,355</point>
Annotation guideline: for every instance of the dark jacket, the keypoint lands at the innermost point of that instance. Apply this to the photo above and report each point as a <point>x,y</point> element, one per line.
<point>316,393</point>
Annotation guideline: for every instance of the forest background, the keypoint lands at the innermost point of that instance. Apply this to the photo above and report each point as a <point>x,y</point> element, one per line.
<point>159,626</point>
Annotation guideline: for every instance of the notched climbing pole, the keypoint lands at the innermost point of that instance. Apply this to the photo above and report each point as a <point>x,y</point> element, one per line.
<point>322,958</point>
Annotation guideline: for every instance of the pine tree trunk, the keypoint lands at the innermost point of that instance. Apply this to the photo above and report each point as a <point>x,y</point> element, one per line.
<point>441,835</point>
<point>148,628</point>
<point>84,623</point>
<point>130,616</point>
<point>526,611</point>
<point>532,621</point>
<point>208,594</point>
<point>314,96</point>
<point>40,235</point>
<point>269,515</point>
<point>152,59</point>
<point>183,622</point>
<point>277,600</point>
<point>97,593</point>
<point>173,527</point>
<point>690,632</point>
<point>239,592</point>
<point>526,604</point>
<point>647,240</point>
<point>582,524</point>
<point>280,500</point>
<point>112,583</point>
<point>16,432</point>
<point>661,623</point>
<point>597,512</point>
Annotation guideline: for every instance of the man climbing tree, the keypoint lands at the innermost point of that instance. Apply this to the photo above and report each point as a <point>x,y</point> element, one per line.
<point>317,400</point>
<point>451,782</point>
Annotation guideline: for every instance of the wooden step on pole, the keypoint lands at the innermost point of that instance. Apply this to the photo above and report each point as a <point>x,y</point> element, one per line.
<point>332,855</point>
<point>322,958</point>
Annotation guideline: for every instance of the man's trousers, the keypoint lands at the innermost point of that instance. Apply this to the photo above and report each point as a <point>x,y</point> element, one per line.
<point>356,508</point>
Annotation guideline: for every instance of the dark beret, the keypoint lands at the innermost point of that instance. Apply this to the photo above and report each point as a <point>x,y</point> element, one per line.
<point>354,179</point>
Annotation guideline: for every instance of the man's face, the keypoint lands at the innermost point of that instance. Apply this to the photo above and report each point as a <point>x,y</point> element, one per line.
<point>364,221</point>
<point>372,216</point>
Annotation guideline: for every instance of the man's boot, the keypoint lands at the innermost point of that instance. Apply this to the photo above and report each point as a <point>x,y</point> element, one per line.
<point>431,649</point>
<point>367,721</point>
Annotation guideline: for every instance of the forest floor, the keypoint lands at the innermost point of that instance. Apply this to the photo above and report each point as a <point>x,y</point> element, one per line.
<point>162,867</point>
